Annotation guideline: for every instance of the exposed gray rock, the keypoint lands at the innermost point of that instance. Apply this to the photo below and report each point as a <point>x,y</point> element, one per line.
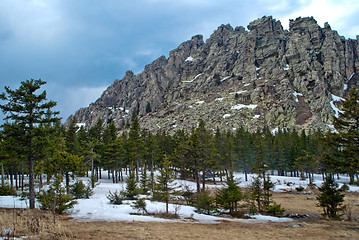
<point>265,76</point>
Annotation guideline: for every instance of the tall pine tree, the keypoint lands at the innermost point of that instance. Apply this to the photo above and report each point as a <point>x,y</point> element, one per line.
<point>29,111</point>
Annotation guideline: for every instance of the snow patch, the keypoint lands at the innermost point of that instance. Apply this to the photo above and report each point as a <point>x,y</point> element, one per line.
<point>345,87</point>
<point>193,78</point>
<point>256,116</point>
<point>275,131</point>
<point>199,102</point>
<point>257,69</point>
<point>219,99</point>
<point>296,96</point>
<point>286,68</point>
<point>240,106</point>
<point>224,79</point>
<point>351,76</point>
<point>226,116</point>
<point>332,128</point>
<point>80,125</point>
<point>337,99</point>
<point>189,59</point>
<point>240,92</point>
<point>335,109</point>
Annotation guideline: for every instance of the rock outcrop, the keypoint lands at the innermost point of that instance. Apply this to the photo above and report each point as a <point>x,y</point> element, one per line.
<point>263,76</point>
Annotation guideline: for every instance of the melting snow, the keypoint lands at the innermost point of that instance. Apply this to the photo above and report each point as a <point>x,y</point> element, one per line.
<point>332,128</point>
<point>345,87</point>
<point>98,208</point>
<point>219,99</point>
<point>80,125</point>
<point>275,131</point>
<point>224,79</point>
<point>256,116</point>
<point>226,115</point>
<point>200,102</point>
<point>240,92</point>
<point>296,96</point>
<point>193,78</point>
<point>257,68</point>
<point>240,106</point>
<point>351,76</point>
<point>335,109</point>
<point>337,99</point>
<point>286,68</point>
<point>189,59</point>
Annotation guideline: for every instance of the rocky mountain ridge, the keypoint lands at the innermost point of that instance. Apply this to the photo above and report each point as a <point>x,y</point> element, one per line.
<point>263,76</point>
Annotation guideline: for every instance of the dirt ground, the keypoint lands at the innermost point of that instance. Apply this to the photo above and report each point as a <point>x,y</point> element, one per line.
<point>310,227</point>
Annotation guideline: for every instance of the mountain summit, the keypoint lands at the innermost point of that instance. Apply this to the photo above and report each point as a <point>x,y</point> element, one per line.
<point>262,76</point>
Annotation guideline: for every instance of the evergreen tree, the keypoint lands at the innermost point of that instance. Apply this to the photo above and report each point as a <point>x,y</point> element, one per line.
<point>343,154</point>
<point>131,185</point>
<point>29,111</point>
<point>230,195</point>
<point>165,186</point>
<point>144,181</point>
<point>135,145</point>
<point>331,199</point>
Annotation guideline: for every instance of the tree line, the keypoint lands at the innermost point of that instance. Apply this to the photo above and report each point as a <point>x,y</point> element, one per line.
<point>34,142</point>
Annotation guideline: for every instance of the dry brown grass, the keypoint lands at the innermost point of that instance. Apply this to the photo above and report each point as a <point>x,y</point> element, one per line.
<point>35,224</point>
<point>312,228</point>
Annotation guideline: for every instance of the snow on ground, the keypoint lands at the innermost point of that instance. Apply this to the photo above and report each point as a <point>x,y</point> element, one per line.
<point>80,125</point>
<point>226,115</point>
<point>335,109</point>
<point>189,59</point>
<point>240,106</point>
<point>193,78</point>
<point>224,79</point>
<point>240,92</point>
<point>296,96</point>
<point>98,207</point>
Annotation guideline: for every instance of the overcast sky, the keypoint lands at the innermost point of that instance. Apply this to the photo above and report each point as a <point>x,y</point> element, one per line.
<point>79,47</point>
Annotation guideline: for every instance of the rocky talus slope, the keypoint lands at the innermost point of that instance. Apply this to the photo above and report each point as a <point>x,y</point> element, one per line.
<point>254,77</point>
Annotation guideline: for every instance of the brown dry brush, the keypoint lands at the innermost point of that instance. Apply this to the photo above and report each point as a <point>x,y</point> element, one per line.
<point>34,224</point>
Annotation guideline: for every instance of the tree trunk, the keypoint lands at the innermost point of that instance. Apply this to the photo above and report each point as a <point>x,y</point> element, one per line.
<point>203,181</point>
<point>197,181</point>
<point>31,181</point>
<point>2,175</point>
<point>67,175</point>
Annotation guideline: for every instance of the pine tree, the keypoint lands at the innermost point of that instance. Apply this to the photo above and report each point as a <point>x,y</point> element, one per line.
<point>331,199</point>
<point>144,181</point>
<point>165,179</point>
<point>29,111</point>
<point>131,185</point>
<point>343,146</point>
<point>230,195</point>
<point>135,145</point>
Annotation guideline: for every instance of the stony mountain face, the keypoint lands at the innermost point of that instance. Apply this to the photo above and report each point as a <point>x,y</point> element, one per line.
<point>262,76</point>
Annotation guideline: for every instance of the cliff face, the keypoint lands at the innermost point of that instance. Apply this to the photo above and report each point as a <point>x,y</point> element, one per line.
<point>263,76</point>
